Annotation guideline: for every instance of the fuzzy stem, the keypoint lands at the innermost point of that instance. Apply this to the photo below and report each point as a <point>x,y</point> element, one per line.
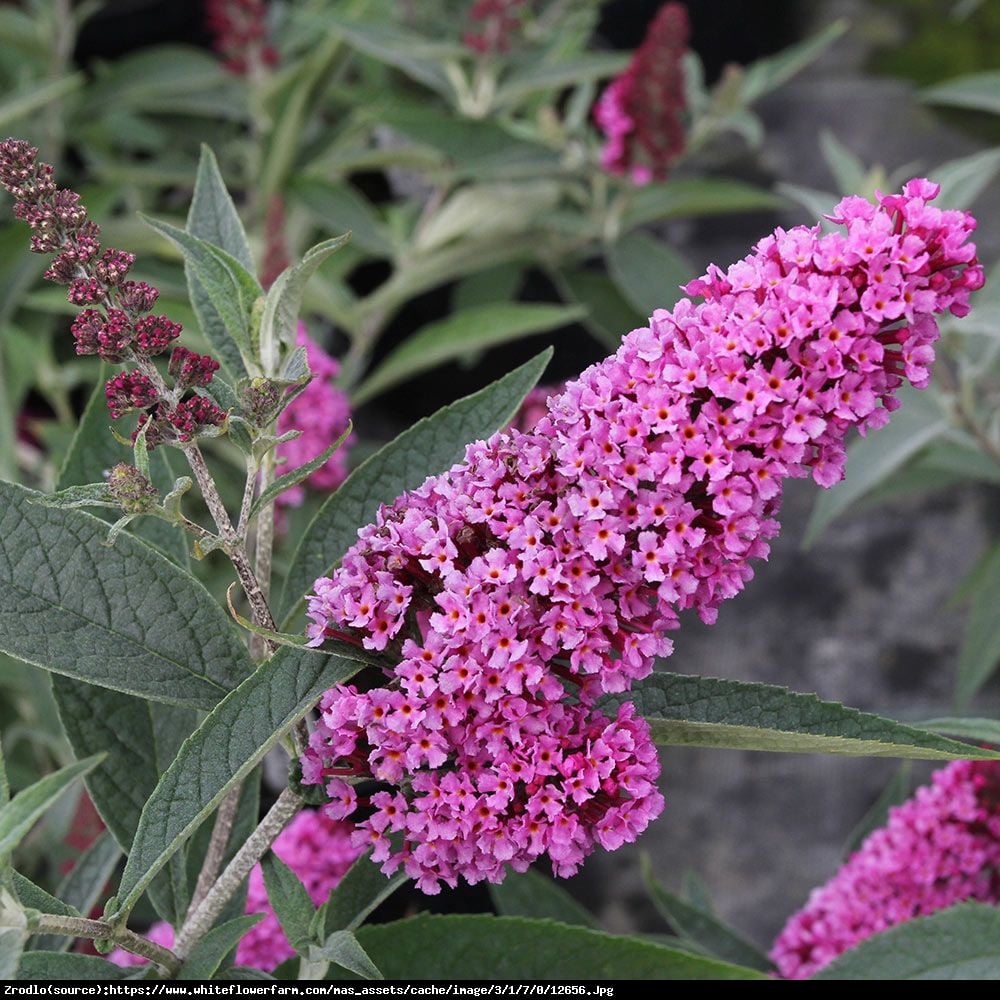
<point>97,929</point>
<point>216,852</point>
<point>199,922</point>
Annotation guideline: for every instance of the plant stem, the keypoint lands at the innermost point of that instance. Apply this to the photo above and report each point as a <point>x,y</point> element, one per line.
<point>97,929</point>
<point>216,848</point>
<point>209,492</point>
<point>199,922</point>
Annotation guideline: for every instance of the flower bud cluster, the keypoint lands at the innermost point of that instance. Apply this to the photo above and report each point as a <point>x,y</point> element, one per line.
<point>114,323</point>
<point>515,590</point>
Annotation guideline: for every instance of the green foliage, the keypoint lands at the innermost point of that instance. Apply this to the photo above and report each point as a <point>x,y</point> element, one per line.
<point>289,899</point>
<point>709,712</point>
<point>483,947</point>
<point>124,617</point>
<point>358,893</point>
<point>44,965</point>
<point>961,942</point>
<point>533,895</point>
<point>210,951</point>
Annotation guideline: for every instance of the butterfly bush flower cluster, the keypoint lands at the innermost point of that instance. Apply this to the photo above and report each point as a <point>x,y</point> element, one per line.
<point>514,591</point>
<point>940,848</point>
<point>321,412</point>
<point>642,111</point>
<point>239,33</point>
<point>116,322</point>
<point>495,24</point>
<point>318,850</point>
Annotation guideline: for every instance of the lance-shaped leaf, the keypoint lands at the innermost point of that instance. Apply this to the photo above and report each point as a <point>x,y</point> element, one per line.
<point>284,301</point>
<point>496,948</point>
<point>532,894</point>
<point>980,651</point>
<point>430,446</point>
<point>213,216</point>
<point>980,91</point>
<point>961,942</point>
<point>289,900</point>
<point>230,742</point>
<point>647,272</point>
<point>711,712</point>
<point>359,892</point>
<point>207,955</point>
<point>22,812</point>
<point>125,618</point>
<point>47,965</point>
<point>343,949</point>
<point>979,730</point>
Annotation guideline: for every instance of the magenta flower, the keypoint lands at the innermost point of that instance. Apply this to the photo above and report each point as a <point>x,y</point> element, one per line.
<point>544,571</point>
<point>940,848</point>
<point>495,24</point>
<point>240,36</point>
<point>322,413</point>
<point>318,850</point>
<point>642,111</point>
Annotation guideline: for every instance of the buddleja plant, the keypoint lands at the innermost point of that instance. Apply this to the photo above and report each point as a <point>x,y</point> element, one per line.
<point>499,617</point>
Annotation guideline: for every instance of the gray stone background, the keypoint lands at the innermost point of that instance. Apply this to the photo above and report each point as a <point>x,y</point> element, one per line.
<point>861,618</point>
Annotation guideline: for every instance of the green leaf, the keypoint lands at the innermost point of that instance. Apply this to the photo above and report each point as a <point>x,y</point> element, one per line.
<point>964,180</point>
<point>702,928</point>
<point>231,741</point>
<point>870,460</point>
<point>474,329</point>
<point>358,893</point>
<point>711,712</point>
<point>340,208</point>
<point>978,730</point>
<point>73,497</point>
<point>532,894</point>
<point>230,289</point>
<point>768,74</point>
<point>961,942</point>
<point>94,451</point>
<point>609,317</point>
<point>11,945</point>
<point>895,792</point>
<point>418,57</point>
<point>34,897</point>
<point>124,618</point>
<point>847,169</point>
<point>213,216</point>
<point>647,272</point>
<point>496,948</point>
<point>19,815</point>
<point>495,284</point>
<point>207,955</point>
<point>284,300</point>
<point>290,479</point>
<point>978,91</point>
<point>540,76</point>
<point>686,197</point>
<point>430,446</point>
<point>289,899</point>
<point>980,652</point>
<point>31,99</point>
<point>344,950</point>
<point>42,965</point>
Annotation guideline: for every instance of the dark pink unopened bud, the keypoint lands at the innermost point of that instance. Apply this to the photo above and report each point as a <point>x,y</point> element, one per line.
<point>153,334</point>
<point>129,391</point>
<point>137,296</point>
<point>86,330</point>
<point>189,368</point>
<point>192,415</point>
<point>85,291</point>
<point>115,337</point>
<point>113,266</point>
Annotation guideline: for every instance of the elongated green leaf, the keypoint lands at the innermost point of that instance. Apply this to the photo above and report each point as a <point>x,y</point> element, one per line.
<point>711,712</point>
<point>539,76</point>
<point>962,942</point>
<point>81,889</point>
<point>42,965</point>
<point>231,741</point>
<point>94,451</point>
<point>430,446</point>
<point>213,216</point>
<point>980,653</point>
<point>847,169</point>
<point>895,792</point>
<point>22,812</point>
<point>36,898</point>
<point>873,459</point>
<point>284,300</point>
<point>533,895</point>
<point>11,945</point>
<point>343,949</point>
<point>770,73</point>
<point>686,197</point>
<point>964,180</point>
<point>357,894</point>
<point>495,284</point>
<point>207,955</point>
<point>978,91</point>
<point>978,730</point>
<point>647,272</point>
<point>340,208</point>
<point>124,617</point>
<point>460,333</point>
<point>289,899</point>
<point>496,948</point>
<point>231,289</point>
<point>702,928</point>
<point>29,100</point>
<point>609,317</point>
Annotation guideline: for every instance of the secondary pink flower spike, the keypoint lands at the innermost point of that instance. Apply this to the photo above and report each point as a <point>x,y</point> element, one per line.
<point>510,593</point>
<point>940,848</point>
